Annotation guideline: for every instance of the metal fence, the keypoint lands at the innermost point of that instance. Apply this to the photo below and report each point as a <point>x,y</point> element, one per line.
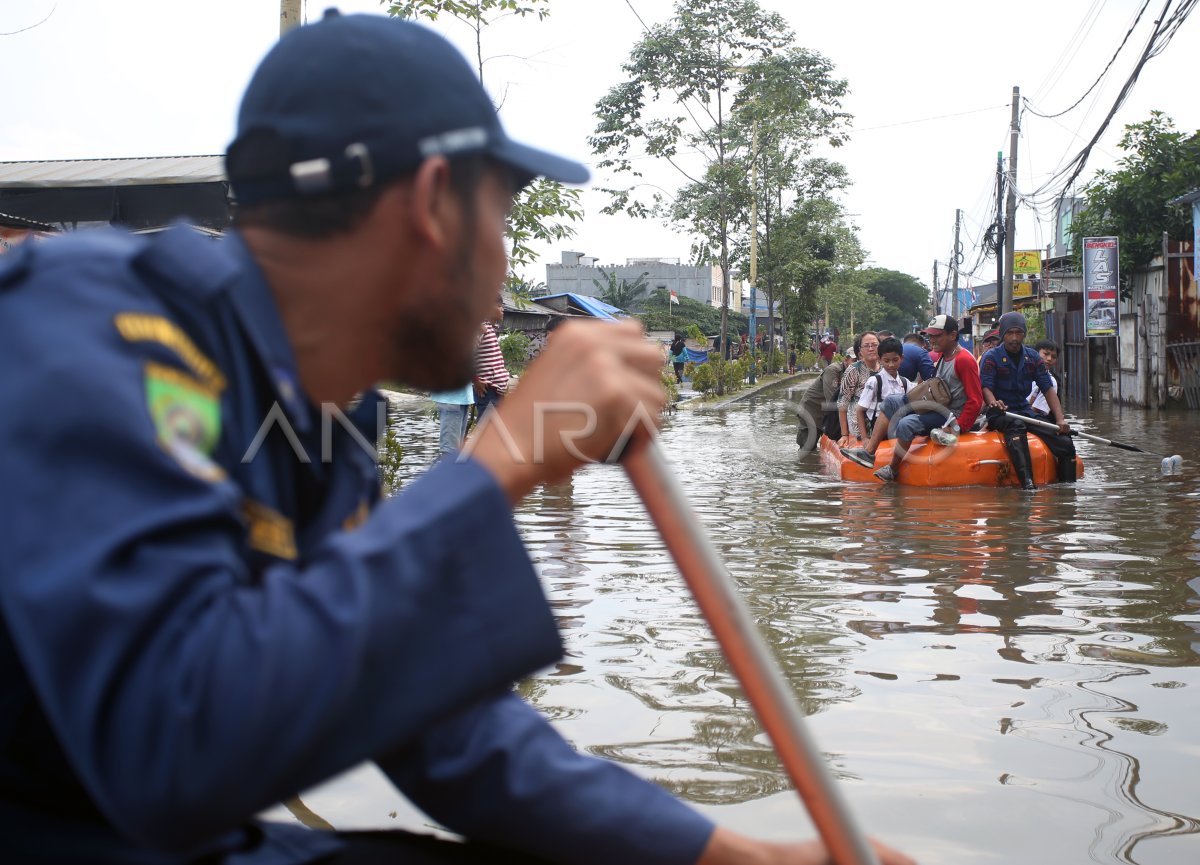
<point>1187,360</point>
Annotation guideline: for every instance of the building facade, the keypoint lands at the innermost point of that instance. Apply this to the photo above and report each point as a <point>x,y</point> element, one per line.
<point>581,274</point>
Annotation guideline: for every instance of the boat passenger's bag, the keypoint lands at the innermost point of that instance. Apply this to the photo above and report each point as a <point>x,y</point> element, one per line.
<point>930,390</point>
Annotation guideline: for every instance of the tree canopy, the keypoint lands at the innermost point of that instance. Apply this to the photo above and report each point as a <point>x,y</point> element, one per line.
<point>1133,202</point>
<point>684,81</point>
<point>660,314</point>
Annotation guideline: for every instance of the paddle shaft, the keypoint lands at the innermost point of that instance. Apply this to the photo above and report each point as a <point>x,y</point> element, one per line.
<point>1075,432</point>
<point>766,689</point>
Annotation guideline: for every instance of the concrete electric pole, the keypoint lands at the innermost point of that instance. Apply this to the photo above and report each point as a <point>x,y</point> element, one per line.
<point>289,15</point>
<point>954,310</point>
<point>1004,290</point>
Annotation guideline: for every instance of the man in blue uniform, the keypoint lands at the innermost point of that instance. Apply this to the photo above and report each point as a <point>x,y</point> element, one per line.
<point>915,360</point>
<point>205,606</point>
<point>1008,373</point>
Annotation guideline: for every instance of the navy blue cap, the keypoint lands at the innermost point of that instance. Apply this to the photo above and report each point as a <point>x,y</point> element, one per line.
<point>355,100</point>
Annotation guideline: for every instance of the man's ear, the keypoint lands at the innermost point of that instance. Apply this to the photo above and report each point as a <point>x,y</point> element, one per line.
<point>431,203</point>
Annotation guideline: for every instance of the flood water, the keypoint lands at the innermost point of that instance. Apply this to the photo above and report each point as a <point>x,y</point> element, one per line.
<point>994,676</point>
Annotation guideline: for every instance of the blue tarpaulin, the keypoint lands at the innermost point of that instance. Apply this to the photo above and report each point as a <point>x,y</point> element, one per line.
<point>696,356</point>
<point>591,305</point>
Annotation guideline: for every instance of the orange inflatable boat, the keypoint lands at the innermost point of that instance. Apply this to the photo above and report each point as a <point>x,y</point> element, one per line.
<point>979,459</point>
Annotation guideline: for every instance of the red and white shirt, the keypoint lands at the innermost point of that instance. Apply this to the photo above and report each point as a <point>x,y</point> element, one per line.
<point>489,361</point>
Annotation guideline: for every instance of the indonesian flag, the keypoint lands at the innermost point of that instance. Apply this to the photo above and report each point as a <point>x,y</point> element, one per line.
<point>674,296</point>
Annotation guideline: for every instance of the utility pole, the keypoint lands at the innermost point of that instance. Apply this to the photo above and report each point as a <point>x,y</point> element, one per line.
<point>954,309</point>
<point>289,15</point>
<point>937,292</point>
<point>754,253</point>
<point>1004,300</point>
<point>1000,231</point>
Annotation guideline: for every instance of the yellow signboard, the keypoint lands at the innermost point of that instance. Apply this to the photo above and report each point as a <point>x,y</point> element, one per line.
<point>1027,261</point>
<point>1023,289</point>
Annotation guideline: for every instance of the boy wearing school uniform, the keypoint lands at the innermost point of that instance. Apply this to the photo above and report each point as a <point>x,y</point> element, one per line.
<point>882,384</point>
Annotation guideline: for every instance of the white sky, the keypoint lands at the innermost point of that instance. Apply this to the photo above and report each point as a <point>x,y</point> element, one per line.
<point>163,77</point>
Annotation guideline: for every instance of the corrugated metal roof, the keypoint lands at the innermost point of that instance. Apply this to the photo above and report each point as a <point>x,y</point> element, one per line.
<point>112,172</point>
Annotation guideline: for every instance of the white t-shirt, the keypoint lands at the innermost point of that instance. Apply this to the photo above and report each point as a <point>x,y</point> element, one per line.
<point>890,385</point>
<point>1037,399</point>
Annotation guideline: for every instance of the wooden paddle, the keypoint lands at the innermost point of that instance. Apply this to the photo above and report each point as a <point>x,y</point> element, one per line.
<point>768,692</point>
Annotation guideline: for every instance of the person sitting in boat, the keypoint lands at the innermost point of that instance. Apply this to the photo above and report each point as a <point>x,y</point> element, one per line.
<point>958,369</point>
<point>817,412</point>
<point>1007,373</point>
<point>866,364</point>
<point>1048,349</point>
<point>991,339</point>
<point>916,364</point>
<point>882,385</point>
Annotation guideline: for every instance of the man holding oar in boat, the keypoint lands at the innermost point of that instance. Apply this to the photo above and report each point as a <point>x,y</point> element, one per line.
<point>1008,373</point>
<point>205,607</point>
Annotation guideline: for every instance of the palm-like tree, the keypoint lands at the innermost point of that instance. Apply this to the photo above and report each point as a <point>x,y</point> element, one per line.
<point>621,293</point>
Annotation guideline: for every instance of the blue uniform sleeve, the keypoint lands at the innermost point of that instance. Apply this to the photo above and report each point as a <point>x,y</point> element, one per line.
<point>925,365</point>
<point>186,692</point>
<point>987,372</point>
<point>499,773</point>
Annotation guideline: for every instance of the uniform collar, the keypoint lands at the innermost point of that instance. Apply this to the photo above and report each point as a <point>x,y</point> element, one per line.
<point>259,316</point>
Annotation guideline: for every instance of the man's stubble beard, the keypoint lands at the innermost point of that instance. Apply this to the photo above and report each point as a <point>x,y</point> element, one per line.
<point>435,347</point>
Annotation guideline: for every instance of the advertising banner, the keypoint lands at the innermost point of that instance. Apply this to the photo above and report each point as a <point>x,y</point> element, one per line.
<point>1100,283</point>
<point>1027,262</point>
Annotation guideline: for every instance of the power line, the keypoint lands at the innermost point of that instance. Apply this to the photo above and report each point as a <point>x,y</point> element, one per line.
<point>1100,77</point>
<point>1072,47</point>
<point>32,26</point>
<point>1165,28</point>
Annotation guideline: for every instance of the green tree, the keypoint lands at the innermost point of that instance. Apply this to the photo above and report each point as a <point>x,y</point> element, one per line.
<point>1133,202</point>
<point>852,308</point>
<point>789,102</point>
<point>661,314</point>
<point>619,292</point>
<point>905,299</point>
<point>813,247</point>
<point>545,210</point>
<point>695,58</point>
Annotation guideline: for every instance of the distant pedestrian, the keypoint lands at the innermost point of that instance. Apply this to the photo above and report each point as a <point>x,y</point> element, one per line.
<point>491,375</point>
<point>678,356</point>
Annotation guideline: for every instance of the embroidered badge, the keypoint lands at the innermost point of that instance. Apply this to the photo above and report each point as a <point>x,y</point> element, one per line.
<point>187,418</point>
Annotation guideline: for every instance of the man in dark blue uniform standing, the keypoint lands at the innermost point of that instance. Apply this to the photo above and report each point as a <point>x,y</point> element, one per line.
<point>1007,374</point>
<point>205,606</point>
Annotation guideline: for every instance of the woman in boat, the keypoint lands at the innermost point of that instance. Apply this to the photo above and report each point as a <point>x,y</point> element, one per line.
<point>866,349</point>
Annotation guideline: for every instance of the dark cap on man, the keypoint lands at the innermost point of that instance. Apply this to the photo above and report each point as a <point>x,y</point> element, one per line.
<point>1011,321</point>
<point>992,336</point>
<point>354,101</point>
<point>941,323</point>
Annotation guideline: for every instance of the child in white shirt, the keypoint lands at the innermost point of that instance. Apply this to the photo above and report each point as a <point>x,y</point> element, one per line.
<point>882,384</point>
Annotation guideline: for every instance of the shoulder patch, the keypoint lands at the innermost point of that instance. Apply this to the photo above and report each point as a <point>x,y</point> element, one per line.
<point>187,419</point>
<point>146,327</point>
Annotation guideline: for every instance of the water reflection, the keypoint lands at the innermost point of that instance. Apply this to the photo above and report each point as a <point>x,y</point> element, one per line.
<point>994,675</point>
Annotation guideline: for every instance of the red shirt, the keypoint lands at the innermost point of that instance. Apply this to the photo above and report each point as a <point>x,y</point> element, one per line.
<point>966,368</point>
